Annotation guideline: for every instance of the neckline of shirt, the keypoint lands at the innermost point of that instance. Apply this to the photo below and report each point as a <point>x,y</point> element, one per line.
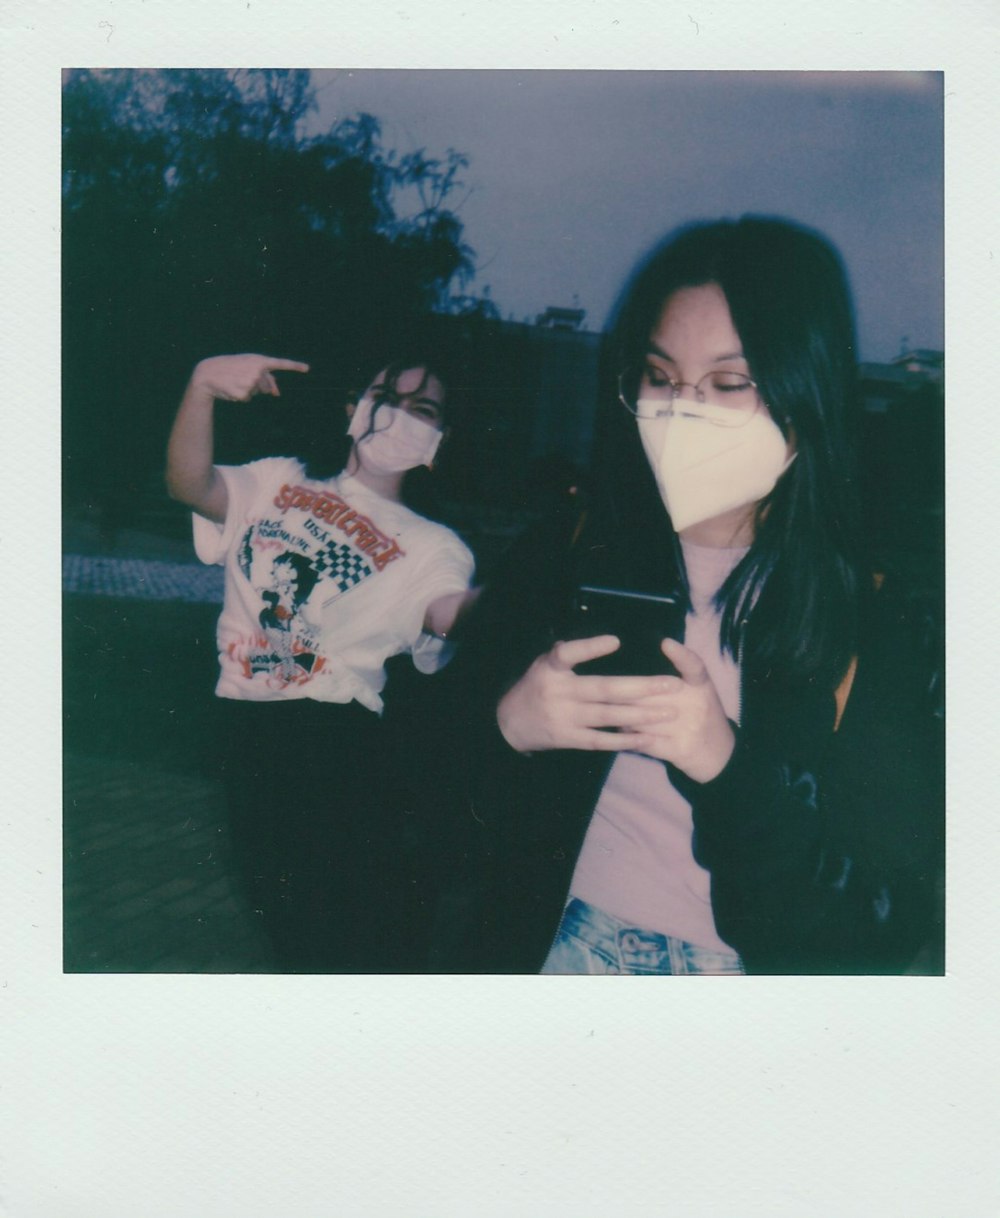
<point>707,569</point>
<point>348,484</point>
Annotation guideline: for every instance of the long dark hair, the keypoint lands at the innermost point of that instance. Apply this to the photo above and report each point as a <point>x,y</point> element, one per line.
<point>788,295</point>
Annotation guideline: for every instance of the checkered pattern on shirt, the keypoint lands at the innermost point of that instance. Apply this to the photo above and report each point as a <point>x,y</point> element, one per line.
<point>339,563</point>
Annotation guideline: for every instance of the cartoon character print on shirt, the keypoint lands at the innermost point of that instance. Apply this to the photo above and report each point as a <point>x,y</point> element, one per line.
<point>294,578</point>
<point>299,568</point>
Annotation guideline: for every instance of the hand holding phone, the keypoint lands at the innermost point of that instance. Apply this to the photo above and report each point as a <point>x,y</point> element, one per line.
<point>640,620</point>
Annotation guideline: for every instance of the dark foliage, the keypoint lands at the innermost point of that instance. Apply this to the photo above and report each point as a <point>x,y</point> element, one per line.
<point>198,219</point>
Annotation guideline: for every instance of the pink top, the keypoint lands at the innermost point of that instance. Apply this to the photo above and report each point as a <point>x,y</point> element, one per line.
<point>636,862</point>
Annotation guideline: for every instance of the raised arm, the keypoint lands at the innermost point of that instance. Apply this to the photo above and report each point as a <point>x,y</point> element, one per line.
<point>192,476</point>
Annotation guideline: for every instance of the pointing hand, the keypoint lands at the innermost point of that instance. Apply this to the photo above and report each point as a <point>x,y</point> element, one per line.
<point>238,378</point>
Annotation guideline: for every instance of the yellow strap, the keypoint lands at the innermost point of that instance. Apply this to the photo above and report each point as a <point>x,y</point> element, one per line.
<point>843,691</point>
<point>581,521</point>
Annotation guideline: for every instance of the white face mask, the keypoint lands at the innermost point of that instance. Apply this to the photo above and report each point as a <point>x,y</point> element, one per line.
<point>397,443</point>
<point>703,469</point>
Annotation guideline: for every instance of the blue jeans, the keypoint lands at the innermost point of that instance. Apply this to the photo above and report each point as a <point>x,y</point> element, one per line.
<point>591,941</point>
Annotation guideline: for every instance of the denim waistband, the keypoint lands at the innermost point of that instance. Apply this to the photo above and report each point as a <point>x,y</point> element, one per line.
<point>632,949</point>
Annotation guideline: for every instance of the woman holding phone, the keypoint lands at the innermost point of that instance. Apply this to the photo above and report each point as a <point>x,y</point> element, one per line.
<point>327,576</point>
<point>773,803</point>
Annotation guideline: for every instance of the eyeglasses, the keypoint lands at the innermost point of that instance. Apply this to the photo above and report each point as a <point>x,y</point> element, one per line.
<point>648,393</point>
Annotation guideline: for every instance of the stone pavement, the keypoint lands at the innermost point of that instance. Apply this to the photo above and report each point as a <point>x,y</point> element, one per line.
<point>148,884</point>
<point>148,880</point>
<point>142,579</point>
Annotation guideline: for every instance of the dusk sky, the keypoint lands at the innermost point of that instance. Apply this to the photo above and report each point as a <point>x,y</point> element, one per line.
<point>574,174</point>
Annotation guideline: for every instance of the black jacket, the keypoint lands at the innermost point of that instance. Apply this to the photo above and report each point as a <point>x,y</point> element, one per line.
<point>825,847</point>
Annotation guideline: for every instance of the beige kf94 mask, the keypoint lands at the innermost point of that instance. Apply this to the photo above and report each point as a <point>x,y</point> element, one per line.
<point>705,468</point>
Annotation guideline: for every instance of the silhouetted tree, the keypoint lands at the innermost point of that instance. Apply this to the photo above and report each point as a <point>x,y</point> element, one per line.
<point>198,217</point>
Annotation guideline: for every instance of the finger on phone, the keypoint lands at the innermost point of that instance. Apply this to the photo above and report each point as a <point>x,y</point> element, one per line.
<point>690,666</point>
<point>567,655</point>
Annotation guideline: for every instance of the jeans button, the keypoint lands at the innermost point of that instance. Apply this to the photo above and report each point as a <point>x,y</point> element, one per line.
<point>630,941</point>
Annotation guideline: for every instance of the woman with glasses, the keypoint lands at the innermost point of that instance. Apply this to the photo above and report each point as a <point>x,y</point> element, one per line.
<point>328,574</point>
<point>770,799</point>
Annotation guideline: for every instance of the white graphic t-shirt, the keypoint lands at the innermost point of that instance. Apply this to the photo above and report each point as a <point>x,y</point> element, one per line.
<point>324,582</point>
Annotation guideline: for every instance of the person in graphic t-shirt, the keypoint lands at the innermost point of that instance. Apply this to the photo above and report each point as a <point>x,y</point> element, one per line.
<point>326,579</point>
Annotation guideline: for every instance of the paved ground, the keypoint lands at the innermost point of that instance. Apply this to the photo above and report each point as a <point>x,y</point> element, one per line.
<point>148,882</point>
<point>148,879</point>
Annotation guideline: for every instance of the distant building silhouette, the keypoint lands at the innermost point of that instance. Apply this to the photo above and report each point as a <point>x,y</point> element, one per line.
<point>884,386</point>
<point>555,318</point>
<point>902,458</point>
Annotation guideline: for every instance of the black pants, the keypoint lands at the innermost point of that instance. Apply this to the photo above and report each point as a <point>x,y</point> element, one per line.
<point>309,786</point>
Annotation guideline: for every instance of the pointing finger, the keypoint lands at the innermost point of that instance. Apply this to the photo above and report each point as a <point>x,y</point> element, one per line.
<point>284,365</point>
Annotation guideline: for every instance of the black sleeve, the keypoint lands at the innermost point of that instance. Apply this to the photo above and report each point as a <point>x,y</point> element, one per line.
<point>471,781</point>
<point>515,620</point>
<point>829,858</point>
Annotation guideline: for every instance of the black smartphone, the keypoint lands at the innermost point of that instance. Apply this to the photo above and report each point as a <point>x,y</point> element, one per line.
<point>641,620</point>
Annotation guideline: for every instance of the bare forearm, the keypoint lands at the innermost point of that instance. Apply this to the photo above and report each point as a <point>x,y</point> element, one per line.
<point>191,475</point>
